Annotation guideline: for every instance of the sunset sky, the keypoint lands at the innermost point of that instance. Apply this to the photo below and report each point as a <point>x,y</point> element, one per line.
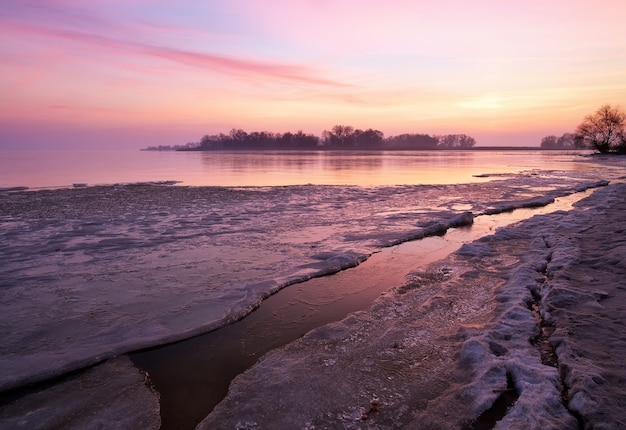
<point>114,74</point>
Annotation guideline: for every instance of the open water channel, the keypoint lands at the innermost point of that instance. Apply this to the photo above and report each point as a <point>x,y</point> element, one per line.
<point>193,376</point>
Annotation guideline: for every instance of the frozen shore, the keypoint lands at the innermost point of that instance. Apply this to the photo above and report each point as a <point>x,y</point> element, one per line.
<point>112,395</point>
<point>92,273</point>
<point>439,351</point>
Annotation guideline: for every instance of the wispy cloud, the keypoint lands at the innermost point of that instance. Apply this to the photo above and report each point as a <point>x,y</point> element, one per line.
<point>238,65</point>
<point>225,64</point>
<point>68,108</point>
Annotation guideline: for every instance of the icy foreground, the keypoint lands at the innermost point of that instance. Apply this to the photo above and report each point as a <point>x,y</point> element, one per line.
<point>112,395</point>
<point>91,273</point>
<point>88,274</point>
<point>534,313</point>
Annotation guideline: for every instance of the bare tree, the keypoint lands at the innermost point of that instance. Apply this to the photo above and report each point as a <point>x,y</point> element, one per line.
<point>340,136</point>
<point>447,141</point>
<point>567,140</point>
<point>460,141</point>
<point>549,142</point>
<point>368,139</point>
<point>604,130</point>
<point>412,141</point>
<point>466,141</point>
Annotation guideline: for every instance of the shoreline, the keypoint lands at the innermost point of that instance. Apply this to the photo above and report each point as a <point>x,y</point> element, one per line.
<point>209,362</point>
<point>88,231</point>
<point>379,150</point>
<point>442,349</point>
<point>505,205</point>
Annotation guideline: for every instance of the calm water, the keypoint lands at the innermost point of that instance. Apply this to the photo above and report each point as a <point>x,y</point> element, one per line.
<point>62,169</point>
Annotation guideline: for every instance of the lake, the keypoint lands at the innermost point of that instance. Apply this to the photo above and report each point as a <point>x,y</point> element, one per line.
<point>57,169</point>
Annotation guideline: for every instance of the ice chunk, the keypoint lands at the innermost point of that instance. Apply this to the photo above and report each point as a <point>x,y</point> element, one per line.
<point>113,394</point>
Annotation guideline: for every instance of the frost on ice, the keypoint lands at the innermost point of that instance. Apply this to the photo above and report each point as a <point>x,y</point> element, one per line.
<point>461,334</point>
<point>91,273</point>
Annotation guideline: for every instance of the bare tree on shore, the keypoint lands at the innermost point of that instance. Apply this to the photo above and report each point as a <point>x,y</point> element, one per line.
<point>604,130</point>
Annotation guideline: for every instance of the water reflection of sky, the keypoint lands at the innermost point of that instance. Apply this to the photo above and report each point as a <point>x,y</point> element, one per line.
<point>371,168</point>
<point>62,169</point>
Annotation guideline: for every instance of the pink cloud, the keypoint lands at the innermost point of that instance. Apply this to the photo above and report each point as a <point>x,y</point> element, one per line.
<point>224,64</point>
<point>230,64</point>
<point>74,109</point>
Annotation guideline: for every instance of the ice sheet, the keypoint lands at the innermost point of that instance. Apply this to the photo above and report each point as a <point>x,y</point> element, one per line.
<point>111,395</point>
<point>439,351</point>
<point>90,273</point>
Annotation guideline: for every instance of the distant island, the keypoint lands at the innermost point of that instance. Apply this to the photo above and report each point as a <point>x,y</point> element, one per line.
<point>342,137</point>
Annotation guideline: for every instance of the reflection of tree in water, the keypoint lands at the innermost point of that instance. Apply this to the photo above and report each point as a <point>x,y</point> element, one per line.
<point>352,161</point>
<point>261,161</point>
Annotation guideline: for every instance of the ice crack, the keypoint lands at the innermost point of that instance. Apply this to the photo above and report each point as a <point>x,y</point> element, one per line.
<point>541,341</point>
<point>488,419</point>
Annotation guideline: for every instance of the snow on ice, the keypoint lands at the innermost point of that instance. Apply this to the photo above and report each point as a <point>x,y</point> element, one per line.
<point>439,351</point>
<point>91,273</point>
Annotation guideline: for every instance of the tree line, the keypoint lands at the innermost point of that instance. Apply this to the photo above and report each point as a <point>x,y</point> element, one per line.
<point>602,131</point>
<point>565,141</point>
<point>338,137</point>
